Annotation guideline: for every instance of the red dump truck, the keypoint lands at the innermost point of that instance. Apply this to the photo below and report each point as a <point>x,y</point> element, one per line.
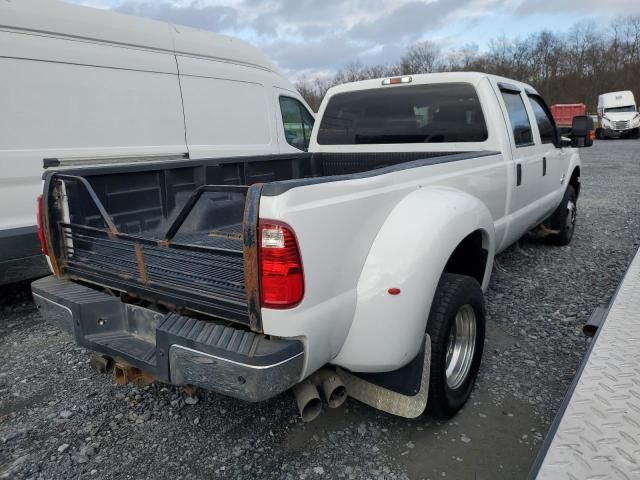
<point>564,113</point>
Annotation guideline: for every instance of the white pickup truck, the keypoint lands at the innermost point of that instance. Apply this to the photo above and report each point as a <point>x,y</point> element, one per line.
<point>356,268</point>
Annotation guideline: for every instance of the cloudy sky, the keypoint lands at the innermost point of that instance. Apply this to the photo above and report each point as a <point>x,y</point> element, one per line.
<point>320,36</point>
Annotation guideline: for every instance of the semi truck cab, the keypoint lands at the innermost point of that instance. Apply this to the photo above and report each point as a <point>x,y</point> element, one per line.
<point>618,115</point>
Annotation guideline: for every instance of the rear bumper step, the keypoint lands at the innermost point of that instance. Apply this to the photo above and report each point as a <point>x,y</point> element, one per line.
<point>173,348</point>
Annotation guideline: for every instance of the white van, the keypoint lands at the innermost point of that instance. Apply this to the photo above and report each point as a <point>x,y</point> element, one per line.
<point>83,83</point>
<point>618,115</point>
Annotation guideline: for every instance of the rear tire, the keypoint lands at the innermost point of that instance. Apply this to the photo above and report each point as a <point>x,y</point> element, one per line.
<point>564,219</point>
<point>456,326</point>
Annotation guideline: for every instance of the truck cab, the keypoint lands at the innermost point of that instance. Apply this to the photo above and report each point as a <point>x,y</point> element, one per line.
<point>618,115</point>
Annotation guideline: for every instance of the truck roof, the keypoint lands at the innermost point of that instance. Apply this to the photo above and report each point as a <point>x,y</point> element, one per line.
<point>424,78</point>
<point>621,98</point>
<point>57,18</point>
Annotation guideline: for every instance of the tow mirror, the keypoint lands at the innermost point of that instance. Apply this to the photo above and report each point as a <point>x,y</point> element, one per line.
<point>582,131</point>
<point>581,126</point>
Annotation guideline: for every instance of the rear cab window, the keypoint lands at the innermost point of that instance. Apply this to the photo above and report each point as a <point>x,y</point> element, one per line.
<point>428,113</point>
<point>518,118</point>
<point>297,122</point>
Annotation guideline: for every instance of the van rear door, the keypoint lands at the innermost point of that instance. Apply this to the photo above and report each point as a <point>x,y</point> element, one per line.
<point>227,108</point>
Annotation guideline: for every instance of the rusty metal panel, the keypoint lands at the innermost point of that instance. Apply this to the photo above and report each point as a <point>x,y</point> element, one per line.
<point>251,261</point>
<point>141,265</point>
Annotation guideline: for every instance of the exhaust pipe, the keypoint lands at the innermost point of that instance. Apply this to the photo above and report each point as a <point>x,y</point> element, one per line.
<point>334,391</point>
<point>308,399</point>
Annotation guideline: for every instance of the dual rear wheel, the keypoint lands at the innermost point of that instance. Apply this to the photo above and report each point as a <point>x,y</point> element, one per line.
<point>457,322</point>
<point>456,326</point>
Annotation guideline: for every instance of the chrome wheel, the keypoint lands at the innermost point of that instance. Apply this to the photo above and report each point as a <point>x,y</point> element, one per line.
<point>572,214</point>
<point>461,346</point>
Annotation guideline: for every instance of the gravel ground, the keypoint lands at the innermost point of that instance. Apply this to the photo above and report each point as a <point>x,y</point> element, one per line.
<point>61,419</point>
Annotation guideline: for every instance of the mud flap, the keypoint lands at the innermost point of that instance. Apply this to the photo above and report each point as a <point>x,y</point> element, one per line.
<point>388,400</point>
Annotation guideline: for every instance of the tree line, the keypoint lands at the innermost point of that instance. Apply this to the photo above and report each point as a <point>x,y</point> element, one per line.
<point>573,67</point>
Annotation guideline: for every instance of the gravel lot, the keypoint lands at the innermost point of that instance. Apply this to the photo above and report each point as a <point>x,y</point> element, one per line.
<point>61,419</point>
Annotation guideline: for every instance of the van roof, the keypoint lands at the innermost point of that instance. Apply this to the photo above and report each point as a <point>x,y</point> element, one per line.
<point>53,17</point>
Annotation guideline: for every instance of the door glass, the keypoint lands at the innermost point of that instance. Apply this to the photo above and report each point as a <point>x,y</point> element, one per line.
<point>518,118</point>
<point>297,123</point>
<point>544,121</point>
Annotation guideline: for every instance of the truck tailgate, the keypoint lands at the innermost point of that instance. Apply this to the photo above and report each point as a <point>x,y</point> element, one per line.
<point>159,236</point>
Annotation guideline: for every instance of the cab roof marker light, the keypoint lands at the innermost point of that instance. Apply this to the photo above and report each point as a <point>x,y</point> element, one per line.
<point>397,80</point>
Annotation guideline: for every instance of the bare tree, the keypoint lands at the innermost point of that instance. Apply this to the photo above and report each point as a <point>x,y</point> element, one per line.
<point>463,59</point>
<point>423,57</point>
<point>309,92</point>
<point>570,68</point>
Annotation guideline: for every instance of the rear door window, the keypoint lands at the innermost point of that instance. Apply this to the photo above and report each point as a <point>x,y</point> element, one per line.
<point>434,113</point>
<point>518,117</point>
<point>297,123</point>
<point>546,125</point>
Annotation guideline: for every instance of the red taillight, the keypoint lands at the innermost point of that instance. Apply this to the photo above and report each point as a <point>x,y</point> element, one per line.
<point>281,277</point>
<point>43,242</point>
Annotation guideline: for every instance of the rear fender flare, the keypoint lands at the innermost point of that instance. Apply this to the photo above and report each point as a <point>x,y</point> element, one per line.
<point>409,253</point>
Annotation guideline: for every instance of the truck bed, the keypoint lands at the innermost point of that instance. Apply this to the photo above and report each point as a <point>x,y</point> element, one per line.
<point>182,234</point>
